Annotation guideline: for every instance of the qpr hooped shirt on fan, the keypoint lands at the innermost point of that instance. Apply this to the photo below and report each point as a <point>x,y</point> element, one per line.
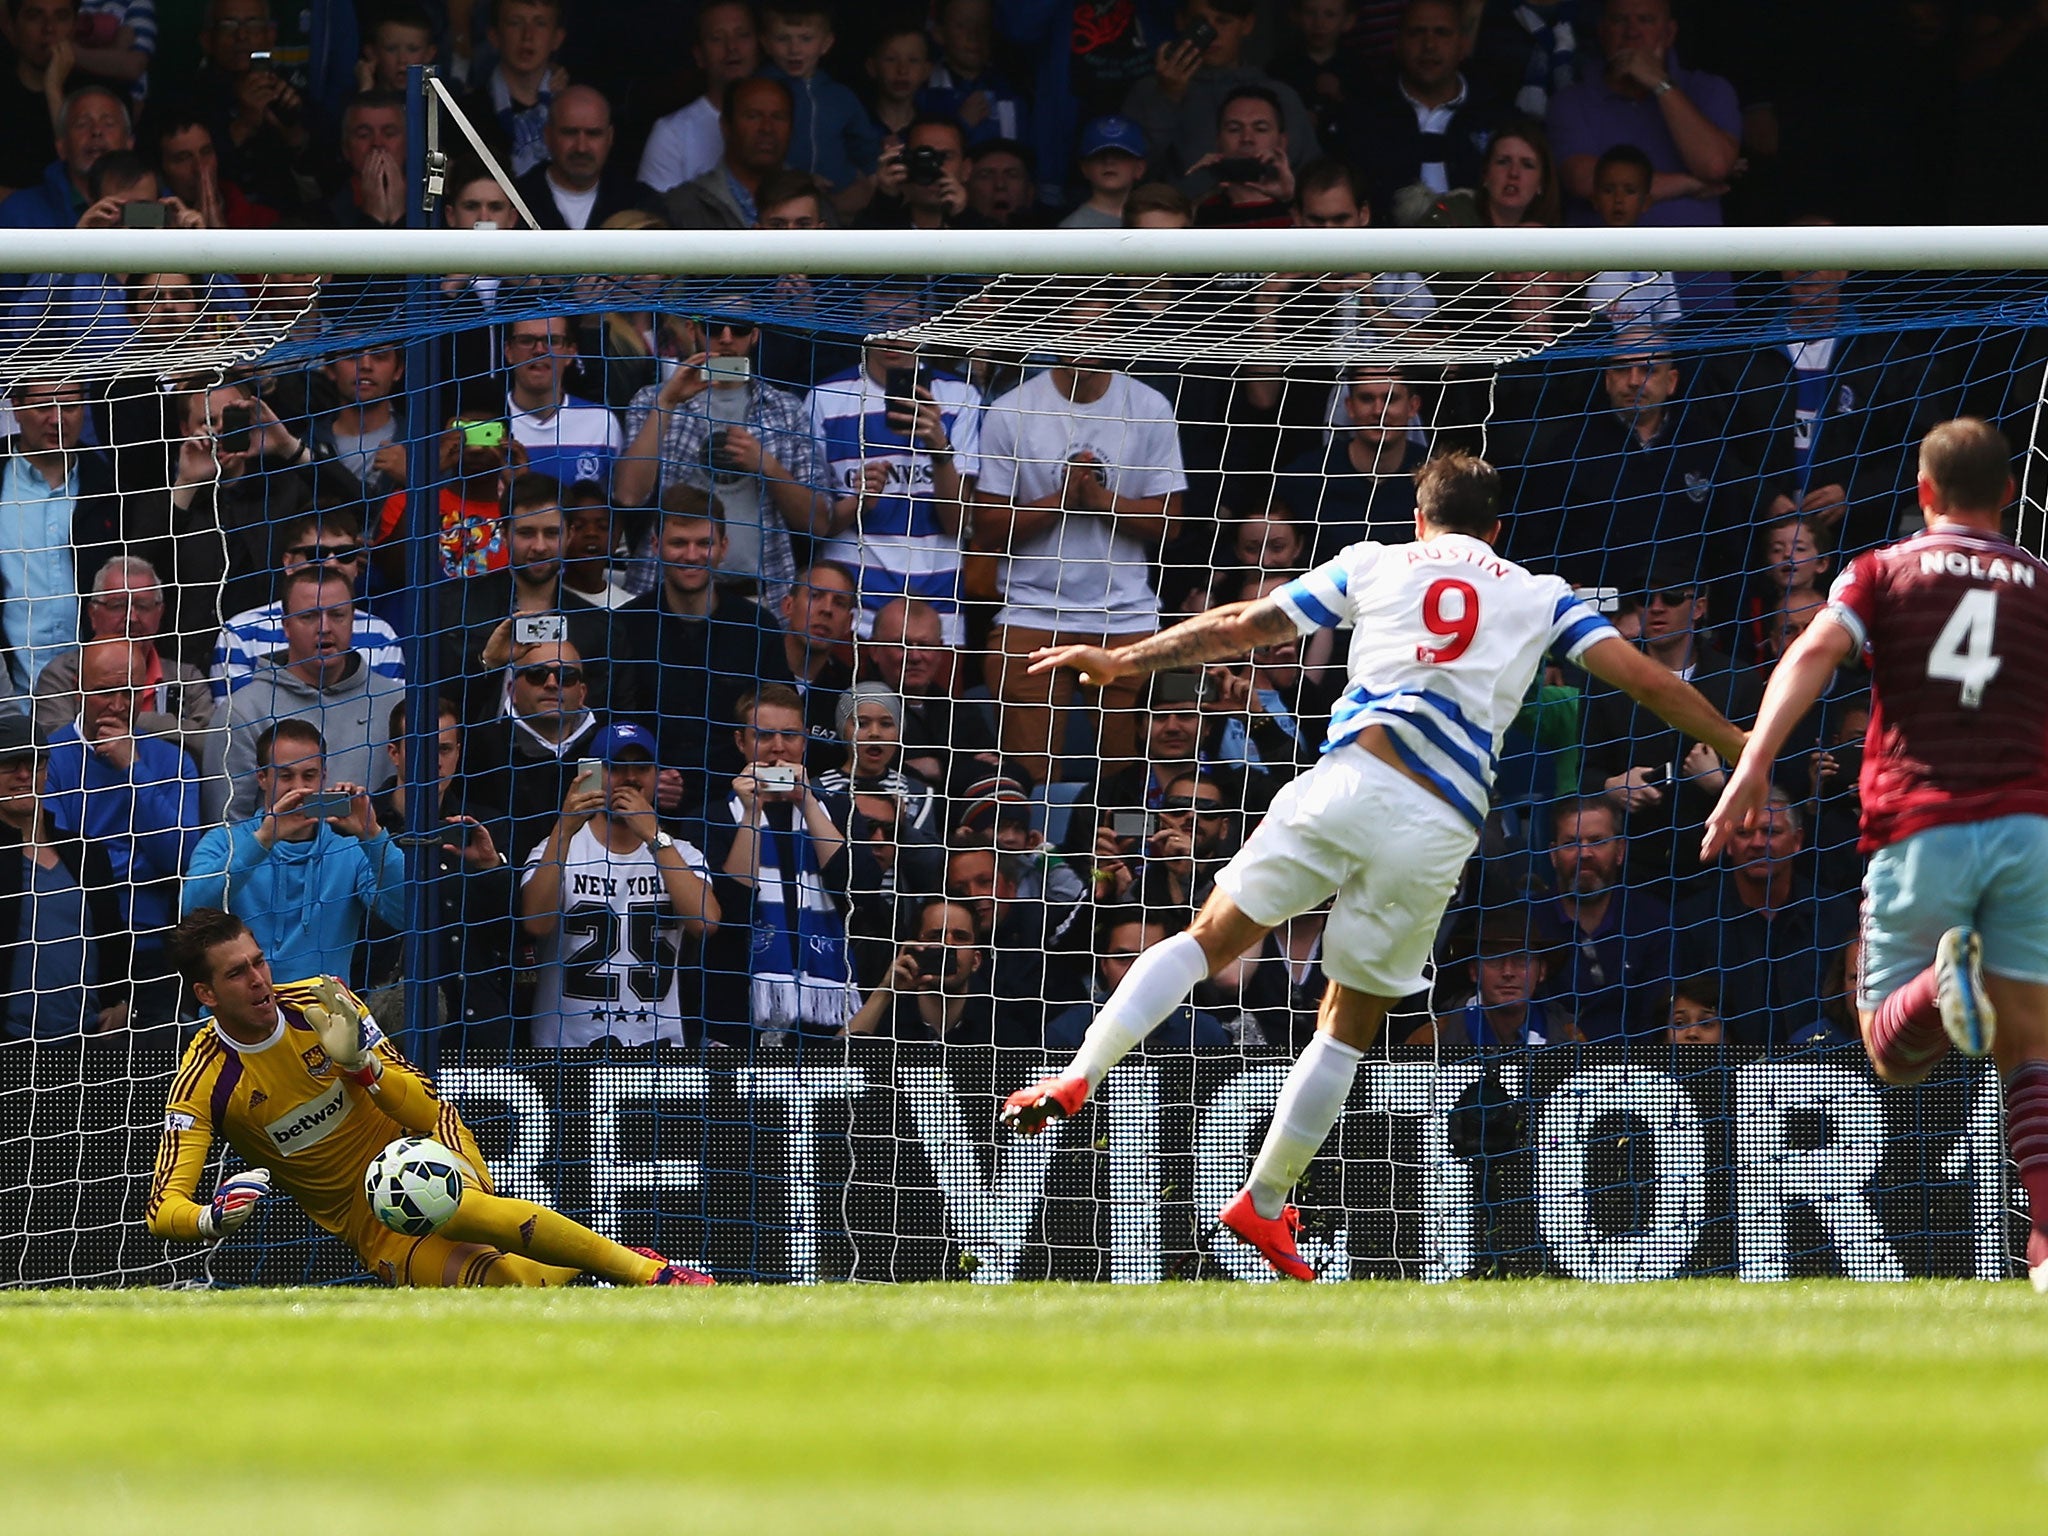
<point>1446,637</point>
<point>1953,624</point>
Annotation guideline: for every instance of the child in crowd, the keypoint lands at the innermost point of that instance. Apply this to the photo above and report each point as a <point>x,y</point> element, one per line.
<point>962,85</point>
<point>402,36</point>
<point>1112,162</point>
<point>1696,1012</point>
<point>1621,195</point>
<point>899,65</point>
<point>1792,554</point>
<point>1321,66</point>
<point>832,137</point>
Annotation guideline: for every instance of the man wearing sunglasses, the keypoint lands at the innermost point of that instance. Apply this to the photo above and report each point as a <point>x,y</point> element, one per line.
<point>516,768</point>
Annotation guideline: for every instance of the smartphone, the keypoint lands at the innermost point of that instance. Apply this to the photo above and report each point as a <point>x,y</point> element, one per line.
<point>1244,168</point>
<point>900,384</point>
<point>456,832</point>
<point>1176,688</point>
<point>326,804</point>
<point>482,434</point>
<point>729,370</point>
<point>589,774</point>
<point>1200,37</point>
<point>540,629</point>
<point>1134,825</point>
<point>776,778</point>
<point>235,434</point>
<point>931,960</point>
<point>145,213</point>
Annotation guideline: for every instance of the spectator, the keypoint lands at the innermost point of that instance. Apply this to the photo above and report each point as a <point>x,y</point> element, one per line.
<point>1080,471</point>
<point>576,187</point>
<point>754,135</point>
<point>1177,106</point>
<point>35,90</point>
<point>367,434</point>
<point>1112,163</point>
<point>1663,782</point>
<point>1422,132</point>
<point>713,428</point>
<point>476,200</point>
<point>565,437</point>
<point>306,884</point>
<point>1121,935</point>
<point>1695,1012</point>
<point>58,520</point>
<point>1616,958</point>
<point>1687,121</point>
<point>870,722</point>
<point>1284,990</point>
<point>1531,52</point>
<point>1519,186</point>
<point>898,66</point>
<point>188,160</point>
<point>326,541</point>
<point>472,889</point>
<point>1245,182</point>
<point>241,476</point>
<point>1274,716</point>
<point>610,852</point>
<point>91,122</point>
<point>817,639</point>
<point>319,677</point>
<point>1001,191</point>
<point>1506,972</point>
<point>134,795</point>
<point>1322,66</point>
<point>686,143</point>
<point>477,457</point>
<point>930,991</point>
<point>1362,485</point>
<point>922,183</point>
<point>63,945</point>
<point>1793,562</point>
<point>830,135</point>
<point>588,546</point>
<point>1172,749</point>
<point>943,737</point>
<point>478,620</point>
<point>511,107</point>
<point>1197,832</point>
<point>1621,192</point>
<point>261,124</point>
<point>963,85</point>
<point>1764,931</point>
<point>518,765</point>
<point>1835,809</point>
<point>900,467</point>
<point>400,36</point>
<point>1038,953</point>
<point>174,699</point>
<point>373,148</point>
<point>699,649</point>
<point>783,876</point>
<point>1088,63</point>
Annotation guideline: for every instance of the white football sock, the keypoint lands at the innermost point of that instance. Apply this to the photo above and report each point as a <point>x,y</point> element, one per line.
<point>1310,1102</point>
<point>1158,982</point>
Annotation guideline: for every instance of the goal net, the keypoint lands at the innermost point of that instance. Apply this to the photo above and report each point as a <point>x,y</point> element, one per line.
<point>727,863</point>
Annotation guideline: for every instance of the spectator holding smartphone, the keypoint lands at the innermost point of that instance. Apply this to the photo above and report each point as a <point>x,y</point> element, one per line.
<point>92,122</point>
<point>1177,106</point>
<point>930,991</point>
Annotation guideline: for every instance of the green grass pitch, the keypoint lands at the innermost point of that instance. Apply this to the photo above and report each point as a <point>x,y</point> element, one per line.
<point>1502,1408</point>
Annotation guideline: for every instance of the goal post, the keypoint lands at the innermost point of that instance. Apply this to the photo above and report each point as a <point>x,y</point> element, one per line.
<point>1697,455</point>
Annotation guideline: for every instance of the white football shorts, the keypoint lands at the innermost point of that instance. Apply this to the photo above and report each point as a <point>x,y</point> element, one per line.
<point>1388,849</point>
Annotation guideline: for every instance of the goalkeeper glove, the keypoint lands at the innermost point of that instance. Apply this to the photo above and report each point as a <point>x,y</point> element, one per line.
<point>339,1021</point>
<point>234,1200</point>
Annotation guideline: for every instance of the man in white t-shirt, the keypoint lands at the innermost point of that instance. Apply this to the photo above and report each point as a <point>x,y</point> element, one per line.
<point>565,437</point>
<point>1080,478</point>
<point>609,897</point>
<point>685,144</point>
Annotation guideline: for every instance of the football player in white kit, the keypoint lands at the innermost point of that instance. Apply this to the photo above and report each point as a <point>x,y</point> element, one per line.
<point>1446,638</point>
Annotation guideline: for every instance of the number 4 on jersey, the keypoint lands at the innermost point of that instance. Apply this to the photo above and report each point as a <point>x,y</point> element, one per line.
<point>1962,651</point>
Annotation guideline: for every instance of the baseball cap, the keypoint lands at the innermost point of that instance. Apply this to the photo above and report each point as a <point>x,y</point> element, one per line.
<point>621,737</point>
<point>1113,132</point>
<point>18,734</point>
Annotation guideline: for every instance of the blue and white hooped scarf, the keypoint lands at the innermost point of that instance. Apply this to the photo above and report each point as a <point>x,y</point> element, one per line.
<point>800,974</point>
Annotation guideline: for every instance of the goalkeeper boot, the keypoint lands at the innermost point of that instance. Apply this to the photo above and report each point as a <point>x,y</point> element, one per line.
<point>1273,1236</point>
<point>1029,1110</point>
<point>672,1273</point>
<point>1967,1017</point>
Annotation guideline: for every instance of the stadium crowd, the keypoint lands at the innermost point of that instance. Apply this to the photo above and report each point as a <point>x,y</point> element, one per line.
<point>780,585</point>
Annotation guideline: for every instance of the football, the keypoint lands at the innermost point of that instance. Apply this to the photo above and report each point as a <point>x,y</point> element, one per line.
<point>414,1185</point>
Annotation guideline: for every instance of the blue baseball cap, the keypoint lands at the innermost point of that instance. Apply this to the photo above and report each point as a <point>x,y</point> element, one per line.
<point>1113,133</point>
<point>621,737</point>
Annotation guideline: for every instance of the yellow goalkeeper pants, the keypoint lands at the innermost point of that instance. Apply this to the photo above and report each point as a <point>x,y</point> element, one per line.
<point>495,1240</point>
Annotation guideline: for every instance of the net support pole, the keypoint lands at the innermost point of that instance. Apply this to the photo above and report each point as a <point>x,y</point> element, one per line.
<point>423,941</point>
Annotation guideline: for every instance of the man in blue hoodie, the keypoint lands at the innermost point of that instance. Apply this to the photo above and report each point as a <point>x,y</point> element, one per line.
<point>305,884</point>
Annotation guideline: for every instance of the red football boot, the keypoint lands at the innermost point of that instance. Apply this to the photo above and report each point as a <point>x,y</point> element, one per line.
<point>672,1273</point>
<point>1273,1236</point>
<point>1029,1110</point>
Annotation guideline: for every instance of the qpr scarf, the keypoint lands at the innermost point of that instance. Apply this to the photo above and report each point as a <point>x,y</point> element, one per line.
<point>799,962</point>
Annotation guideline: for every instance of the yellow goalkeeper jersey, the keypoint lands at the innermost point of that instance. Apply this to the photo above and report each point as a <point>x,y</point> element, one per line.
<point>283,1107</point>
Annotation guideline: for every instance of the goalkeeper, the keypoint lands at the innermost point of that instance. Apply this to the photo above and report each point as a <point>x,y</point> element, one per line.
<point>298,1080</point>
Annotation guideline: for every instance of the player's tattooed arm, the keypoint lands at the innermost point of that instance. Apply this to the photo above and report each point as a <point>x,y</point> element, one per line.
<point>1230,630</point>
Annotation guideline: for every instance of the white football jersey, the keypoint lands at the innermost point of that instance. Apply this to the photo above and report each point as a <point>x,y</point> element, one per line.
<point>1446,637</point>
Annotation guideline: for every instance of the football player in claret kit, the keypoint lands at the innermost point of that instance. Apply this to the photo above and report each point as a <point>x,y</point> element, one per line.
<point>1446,638</point>
<point>1953,623</point>
<point>298,1079</point>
